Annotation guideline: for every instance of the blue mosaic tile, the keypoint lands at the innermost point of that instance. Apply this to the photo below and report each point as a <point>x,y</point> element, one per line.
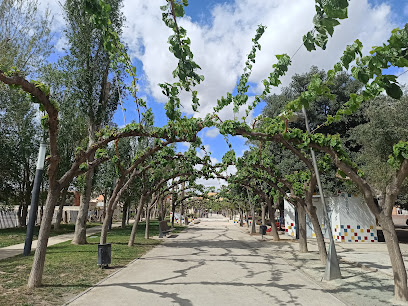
<point>372,234</point>
<point>358,226</point>
<point>345,230</point>
<point>359,237</point>
<point>341,226</point>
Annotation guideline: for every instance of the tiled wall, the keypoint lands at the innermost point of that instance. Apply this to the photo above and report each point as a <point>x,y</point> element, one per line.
<point>347,233</point>
<point>290,229</point>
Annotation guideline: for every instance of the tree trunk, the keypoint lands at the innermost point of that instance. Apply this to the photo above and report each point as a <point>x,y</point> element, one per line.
<point>161,217</point>
<point>107,222</point>
<point>274,229</point>
<point>24,213</point>
<point>281,206</point>
<point>241,218</point>
<point>183,187</point>
<point>164,211</point>
<point>124,213</point>
<point>137,218</point>
<point>253,231</point>
<point>23,208</point>
<point>39,256</point>
<point>173,209</point>
<point>128,213</point>
<point>302,229</point>
<point>80,225</point>
<point>181,212</point>
<point>147,232</point>
<point>247,219</point>
<point>397,261</point>
<point>155,212</point>
<point>105,226</point>
<point>319,234</point>
<point>104,206</point>
<point>27,189</point>
<point>263,214</point>
<point>60,209</point>
<point>19,215</point>
<point>270,212</point>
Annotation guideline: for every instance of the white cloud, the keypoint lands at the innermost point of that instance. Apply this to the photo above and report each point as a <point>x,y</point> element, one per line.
<point>403,79</point>
<point>221,47</point>
<point>62,44</point>
<point>201,153</point>
<point>231,170</point>
<point>212,133</point>
<point>186,145</point>
<point>240,154</point>
<point>56,11</point>
<point>217,183</point>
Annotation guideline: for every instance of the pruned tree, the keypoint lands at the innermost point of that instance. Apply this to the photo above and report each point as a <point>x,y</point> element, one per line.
<point>97,94</point>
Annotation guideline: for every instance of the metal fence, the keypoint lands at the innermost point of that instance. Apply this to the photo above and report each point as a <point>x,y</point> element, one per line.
<point>8,218</point>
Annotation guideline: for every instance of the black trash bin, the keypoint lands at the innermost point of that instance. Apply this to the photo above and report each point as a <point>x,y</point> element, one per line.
<point>262,229</point>
<point>104,255</point>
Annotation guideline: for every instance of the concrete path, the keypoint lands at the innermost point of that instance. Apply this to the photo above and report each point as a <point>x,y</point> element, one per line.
<point>212,263</point>
<point>17,249</point>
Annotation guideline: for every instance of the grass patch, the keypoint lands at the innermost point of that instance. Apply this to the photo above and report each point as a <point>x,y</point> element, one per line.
<point>70,269</point>
<point>11,236</point>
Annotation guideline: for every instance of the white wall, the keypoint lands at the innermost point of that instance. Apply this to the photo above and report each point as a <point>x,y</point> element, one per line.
<point>289,213</point>
<point>357,223</point>
<point>349,215</point>
<point>320,215</point>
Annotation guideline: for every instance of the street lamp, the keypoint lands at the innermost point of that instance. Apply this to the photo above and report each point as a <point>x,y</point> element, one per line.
<point>332,264</point>
<point>34,199</point>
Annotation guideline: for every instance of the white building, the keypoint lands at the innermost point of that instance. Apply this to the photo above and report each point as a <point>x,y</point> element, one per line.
<point>351,219</point>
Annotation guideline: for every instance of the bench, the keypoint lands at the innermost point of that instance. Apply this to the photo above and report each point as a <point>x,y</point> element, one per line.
<point>164,228</point>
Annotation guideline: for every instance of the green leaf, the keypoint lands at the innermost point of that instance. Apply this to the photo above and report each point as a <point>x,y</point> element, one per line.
<point>363,77</point>
<point>394,91</point>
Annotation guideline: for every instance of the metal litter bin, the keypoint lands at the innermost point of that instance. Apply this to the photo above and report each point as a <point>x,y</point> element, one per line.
<point>104,255</point>
<point>262,229</point>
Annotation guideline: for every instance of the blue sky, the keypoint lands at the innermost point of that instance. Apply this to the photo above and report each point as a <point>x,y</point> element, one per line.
<point>221,32</point>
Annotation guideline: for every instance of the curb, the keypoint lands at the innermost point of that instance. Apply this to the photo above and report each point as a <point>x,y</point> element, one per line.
<point>98,283</point>
<point>111,275</point>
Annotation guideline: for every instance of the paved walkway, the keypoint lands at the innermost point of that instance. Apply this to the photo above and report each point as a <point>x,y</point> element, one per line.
<point>212,263</point>
<point>17,249</point>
